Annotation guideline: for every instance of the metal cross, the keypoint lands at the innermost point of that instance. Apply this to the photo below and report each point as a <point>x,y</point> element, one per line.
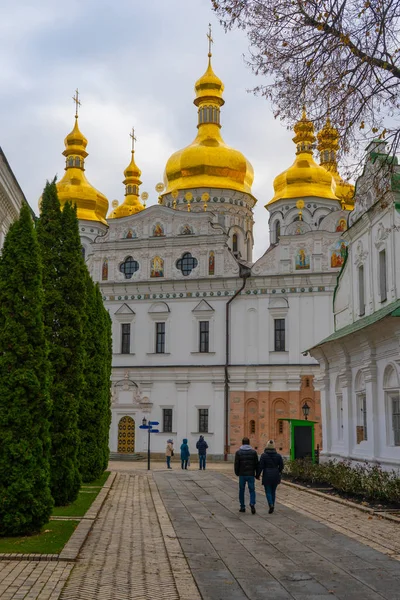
<point>133,138</point>
<point>77,101</point>
<point>210,40</point>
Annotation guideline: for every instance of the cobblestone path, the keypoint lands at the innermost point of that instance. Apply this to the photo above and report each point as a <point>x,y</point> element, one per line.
<point>282,556</point>
<point>32,580</point>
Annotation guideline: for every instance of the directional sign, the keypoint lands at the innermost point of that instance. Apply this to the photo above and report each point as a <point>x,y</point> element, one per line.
<point>154,431</point>
<point>154,423</point>
<point>144,427</point>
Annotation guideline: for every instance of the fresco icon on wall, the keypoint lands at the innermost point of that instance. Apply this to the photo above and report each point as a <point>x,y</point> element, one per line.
<point>104,270</point>
<point>211,263</point>
<point>186,230</point>
<point>157,267</point>
<point>158,230</point>
<point>302,260</point>
<point>342,225</point>
<point>338,254</point>
<point>130,234</point>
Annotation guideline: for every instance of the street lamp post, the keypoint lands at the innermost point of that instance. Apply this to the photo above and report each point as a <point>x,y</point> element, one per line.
<point>306,410</point>
<point>149,427</point>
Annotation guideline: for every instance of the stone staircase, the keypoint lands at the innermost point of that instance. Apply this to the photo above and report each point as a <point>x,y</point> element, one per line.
<point>127,457</point>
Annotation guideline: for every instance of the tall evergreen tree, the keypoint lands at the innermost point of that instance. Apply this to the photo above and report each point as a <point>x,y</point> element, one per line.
<point>64,290</point>
<point>94,421</point>
<point>25,498</point>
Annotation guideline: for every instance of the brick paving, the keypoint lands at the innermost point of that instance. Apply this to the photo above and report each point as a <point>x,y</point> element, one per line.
<point>285,555</point>
<point>32,580</point>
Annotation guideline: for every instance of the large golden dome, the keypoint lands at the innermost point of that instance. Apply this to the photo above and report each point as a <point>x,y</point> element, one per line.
<point>305,177</point>
<point>328,145</point>
<point>208,161</point>
<point>74,187</point>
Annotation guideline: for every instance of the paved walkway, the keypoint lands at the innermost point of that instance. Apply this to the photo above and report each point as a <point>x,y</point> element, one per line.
<point>281,556</point>
<point>309,549</point>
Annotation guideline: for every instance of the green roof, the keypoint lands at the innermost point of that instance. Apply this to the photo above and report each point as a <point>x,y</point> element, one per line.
<point>392,310</point>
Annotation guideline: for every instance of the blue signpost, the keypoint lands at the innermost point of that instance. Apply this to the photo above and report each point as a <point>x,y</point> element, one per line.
<point>149,426</point>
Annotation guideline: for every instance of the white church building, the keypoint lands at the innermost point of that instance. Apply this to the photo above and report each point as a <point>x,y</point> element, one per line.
<point>205,341</point>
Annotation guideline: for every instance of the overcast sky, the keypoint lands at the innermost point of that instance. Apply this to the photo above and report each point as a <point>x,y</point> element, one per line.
<point>135,62</point>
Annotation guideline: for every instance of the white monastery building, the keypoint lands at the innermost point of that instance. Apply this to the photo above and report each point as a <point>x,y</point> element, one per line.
<point>11,197</point>
<point>205,341</point>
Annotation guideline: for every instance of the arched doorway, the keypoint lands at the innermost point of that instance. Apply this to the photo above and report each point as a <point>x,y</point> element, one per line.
<point>126,435</point>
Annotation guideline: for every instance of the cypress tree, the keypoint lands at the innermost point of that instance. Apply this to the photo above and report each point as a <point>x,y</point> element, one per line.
<point>64,291</point>
<point>25,498</point>
<point>95,413</point>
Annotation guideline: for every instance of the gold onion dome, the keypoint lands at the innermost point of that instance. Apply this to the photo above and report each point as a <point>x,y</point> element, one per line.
<point>328,146</point>
<point>208,161</point>
<point>74,187</point>
<point>131,204</point>
<point>305,177</point>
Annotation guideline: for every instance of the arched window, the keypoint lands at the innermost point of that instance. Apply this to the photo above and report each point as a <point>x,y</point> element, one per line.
<point>277,231</point>
<point>71,161</point>
<point>129,267</point>
<point>252,427</point>
<point>234,243</point>
<point>392,393</point>
<point>187,263</point>
<point>361,400</point>
<point>77,162</point>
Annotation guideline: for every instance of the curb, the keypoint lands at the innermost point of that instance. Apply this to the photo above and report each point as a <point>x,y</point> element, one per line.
<point>73,547</point>
<point>348,503</point>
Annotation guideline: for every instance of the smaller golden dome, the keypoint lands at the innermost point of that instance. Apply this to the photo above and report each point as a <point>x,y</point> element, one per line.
<point>328,145</point>
<point>305,178</point>
<point>209,87</point>
<point>131,205</point>
<point>74,187</point>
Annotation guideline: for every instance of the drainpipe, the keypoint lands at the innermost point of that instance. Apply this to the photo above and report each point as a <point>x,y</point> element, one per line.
<point>244,273</point>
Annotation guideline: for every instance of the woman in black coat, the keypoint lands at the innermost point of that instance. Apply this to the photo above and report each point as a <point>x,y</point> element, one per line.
<point>271,467</point>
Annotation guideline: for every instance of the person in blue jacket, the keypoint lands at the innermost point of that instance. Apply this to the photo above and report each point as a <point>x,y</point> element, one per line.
<point>184,454</point>
<point>202,450</point>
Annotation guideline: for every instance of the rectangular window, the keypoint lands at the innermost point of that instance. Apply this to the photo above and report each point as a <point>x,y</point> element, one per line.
<point>160,338</point>
<point>396,420</point>
<point>382,276</point>
<point>339,401</point>
<point>167,420</point>
<point>279,345</point>
<point>203,420</point>
<point>204,336</point>
<point>125,338</point>
<point>361,292</point>
<point>362,433</point>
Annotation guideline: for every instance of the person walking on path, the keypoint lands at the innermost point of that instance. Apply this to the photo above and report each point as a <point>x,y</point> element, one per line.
<point>246,465</point>
<point>202,450</point>
<point>271,467</point>
<point>184,453</point>
<point>169,452</point>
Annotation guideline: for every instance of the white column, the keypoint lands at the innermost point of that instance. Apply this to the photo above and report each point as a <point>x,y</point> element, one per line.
<point>181,411</point>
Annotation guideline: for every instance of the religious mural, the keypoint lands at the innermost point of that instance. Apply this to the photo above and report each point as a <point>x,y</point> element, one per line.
<point>104,270</point>
<point>130,234</point>
<point>342,225</point>
<point>157,267</point>
<point>302,260</point>
<point>211,263</point>
<point>186,230</point>
<point>158,230</point>
<point>338,253</point>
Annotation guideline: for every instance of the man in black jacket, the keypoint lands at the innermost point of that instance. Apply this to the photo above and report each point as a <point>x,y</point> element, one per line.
<point>246,465</point>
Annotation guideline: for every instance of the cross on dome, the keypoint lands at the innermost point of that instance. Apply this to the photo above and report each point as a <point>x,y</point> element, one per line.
<point>133,138</point>
<point>77,102</point>
<point>210,40</point>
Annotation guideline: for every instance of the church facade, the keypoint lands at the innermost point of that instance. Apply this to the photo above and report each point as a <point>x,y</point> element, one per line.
<point>204,340</point>
<point>11,197</point>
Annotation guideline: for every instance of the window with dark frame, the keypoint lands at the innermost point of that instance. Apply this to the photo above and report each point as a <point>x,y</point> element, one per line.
<point>125,338</point>
<point>396,419</point>
<point>382,276</point>
<point>280,427</point>
<point>252,427</point>
<point>361,291</point>
<point>204,336</point>
<point>129,267</point>
<point>160,338</point>
<point>167,420</point>
<point>187,263</point>
<point>203,420</point>
<point>279,342</point>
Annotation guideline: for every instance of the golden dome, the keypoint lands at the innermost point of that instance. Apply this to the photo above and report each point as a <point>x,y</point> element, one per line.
<point>131,204</point>
<point>328,145</point>
<point>304,178</point>
<point>74,187</point>
<point>208,161</point>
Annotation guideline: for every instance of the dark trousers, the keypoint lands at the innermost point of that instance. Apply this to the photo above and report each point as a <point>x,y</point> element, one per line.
<point>184,463</point>
<point>270,492</point>
<point>168,462</point>
<point>202,461</point>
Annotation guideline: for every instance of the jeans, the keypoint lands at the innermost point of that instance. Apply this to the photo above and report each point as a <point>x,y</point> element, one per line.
<point>202,461</point>
<point>242,485</point>
<point>168,462</point>
<point>270,492</point>
<point>184,463</point>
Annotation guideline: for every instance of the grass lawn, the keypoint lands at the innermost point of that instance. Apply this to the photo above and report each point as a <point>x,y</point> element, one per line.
<point>51,540</point>
<point>98,482</point>
<point>87,494</point>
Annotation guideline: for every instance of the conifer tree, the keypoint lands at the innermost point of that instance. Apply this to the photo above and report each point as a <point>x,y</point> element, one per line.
<point>64,291</point>
<point>25,498</point>
<point>94,421</point>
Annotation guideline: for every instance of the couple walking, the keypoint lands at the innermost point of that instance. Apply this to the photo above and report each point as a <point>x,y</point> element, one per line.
<point>185,454</point>
<point>248,468</point>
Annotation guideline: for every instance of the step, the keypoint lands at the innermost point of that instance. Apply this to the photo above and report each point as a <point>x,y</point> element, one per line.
<point>123,456</point>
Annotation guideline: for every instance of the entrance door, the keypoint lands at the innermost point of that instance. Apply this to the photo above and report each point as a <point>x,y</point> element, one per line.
<point>126,435</point>
<point>302,442</point>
